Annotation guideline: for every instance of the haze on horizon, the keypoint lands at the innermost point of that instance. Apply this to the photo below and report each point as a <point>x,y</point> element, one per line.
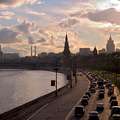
<point>45,22</point>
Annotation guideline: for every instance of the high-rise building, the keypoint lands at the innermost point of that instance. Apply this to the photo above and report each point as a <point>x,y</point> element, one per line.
<point>110,47</point>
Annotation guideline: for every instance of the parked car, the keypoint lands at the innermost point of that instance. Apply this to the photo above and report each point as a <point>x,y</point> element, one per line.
<point>100,107</point>
<point>84,101</point>
<point>113,103</point>
<point>79,111</point>
<point>113,97</point>
<point>115,113</point>
<point>93,115</point>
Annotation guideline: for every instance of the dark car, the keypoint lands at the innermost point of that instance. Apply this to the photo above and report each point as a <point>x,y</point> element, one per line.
<point>93,115</point>
<point>113,97</point>
<point>88,93</point>
<point>79,111</point>
<point>84,101</point>
<point>86,96</point>
<point>115,113</point>
<point>115,117</point>
<point>110,92</point>
<point>92,90</point>
<point>101,95</point>
<point>102,90</point>
<point>101,87</point>
<point>113,103</point>
<point>100,107</point>
<point>115,110</point>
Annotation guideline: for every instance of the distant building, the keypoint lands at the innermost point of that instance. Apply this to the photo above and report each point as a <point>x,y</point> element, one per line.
<point>110,47</point>
<point>11,56</point>
<point>85,51</point>
<point>102,51</point>
<point>43,54</point>
<point>1,53</point>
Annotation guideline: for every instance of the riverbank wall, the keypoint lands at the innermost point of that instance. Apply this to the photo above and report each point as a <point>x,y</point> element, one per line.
<point>26,110</point>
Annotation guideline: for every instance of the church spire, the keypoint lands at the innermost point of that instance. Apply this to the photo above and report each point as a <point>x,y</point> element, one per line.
<point>66,51</point>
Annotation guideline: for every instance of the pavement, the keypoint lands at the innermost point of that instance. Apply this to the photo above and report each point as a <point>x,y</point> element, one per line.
<point>60,107</point>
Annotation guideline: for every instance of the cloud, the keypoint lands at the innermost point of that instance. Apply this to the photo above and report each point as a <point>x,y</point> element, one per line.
<point>108,15</point>
<point>68,22</point>
<point>6,15</point>
<point>24,27</point>
<point>15,3</point>
<point>8,36</point>
<point>35,13</point>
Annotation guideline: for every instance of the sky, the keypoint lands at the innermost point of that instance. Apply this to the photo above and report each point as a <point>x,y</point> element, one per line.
<point>44,23</point>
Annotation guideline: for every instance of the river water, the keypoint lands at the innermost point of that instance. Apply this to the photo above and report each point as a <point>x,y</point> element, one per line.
<point>21,86</point>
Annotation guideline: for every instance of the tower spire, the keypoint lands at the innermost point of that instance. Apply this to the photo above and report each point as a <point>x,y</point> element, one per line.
<point>110,38</point>
<point>66,47</point>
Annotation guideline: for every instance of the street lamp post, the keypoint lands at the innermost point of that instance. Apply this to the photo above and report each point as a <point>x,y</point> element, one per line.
<point>56,70</point>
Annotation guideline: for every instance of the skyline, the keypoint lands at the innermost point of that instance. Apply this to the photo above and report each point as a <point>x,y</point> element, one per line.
<point>45,22</point>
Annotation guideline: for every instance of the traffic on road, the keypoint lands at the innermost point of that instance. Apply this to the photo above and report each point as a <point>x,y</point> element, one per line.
<point>99,102</point>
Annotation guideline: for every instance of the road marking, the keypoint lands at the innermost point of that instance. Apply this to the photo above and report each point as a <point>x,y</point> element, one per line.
<point>37,111</point>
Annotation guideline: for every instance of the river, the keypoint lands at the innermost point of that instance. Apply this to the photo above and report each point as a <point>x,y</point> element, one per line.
<point>21,86</point>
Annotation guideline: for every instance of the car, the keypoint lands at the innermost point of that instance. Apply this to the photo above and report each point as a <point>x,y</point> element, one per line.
<point>101,87</point>
<point>79,111</point>
<point>113,97</point>
<point>92,90</point>
<point>94,83</point>
<point>92,86</point>
<point>115,112</point>
<point>88,93</point>
<point>100,107</point>
<point>84,101</point>
<point>86,96</point>
<point>93,115</point>
<point>102,90</point>
<point>113,103</point>
<point>101,95</point>
<point>109,84</point>
<point>110,92</point>
<point>115,117</point>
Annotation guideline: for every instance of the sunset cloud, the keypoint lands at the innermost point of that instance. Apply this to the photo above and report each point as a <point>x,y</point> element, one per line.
<point>110,15</point>
<point>8,36</point>
<point>45,23</point>
<point>15,3</point>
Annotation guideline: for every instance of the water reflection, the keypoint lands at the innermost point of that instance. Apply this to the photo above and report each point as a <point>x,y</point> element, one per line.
<point>18,87</point>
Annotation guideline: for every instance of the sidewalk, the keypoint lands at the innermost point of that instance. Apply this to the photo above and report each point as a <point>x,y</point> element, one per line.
<point>59,108</point>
